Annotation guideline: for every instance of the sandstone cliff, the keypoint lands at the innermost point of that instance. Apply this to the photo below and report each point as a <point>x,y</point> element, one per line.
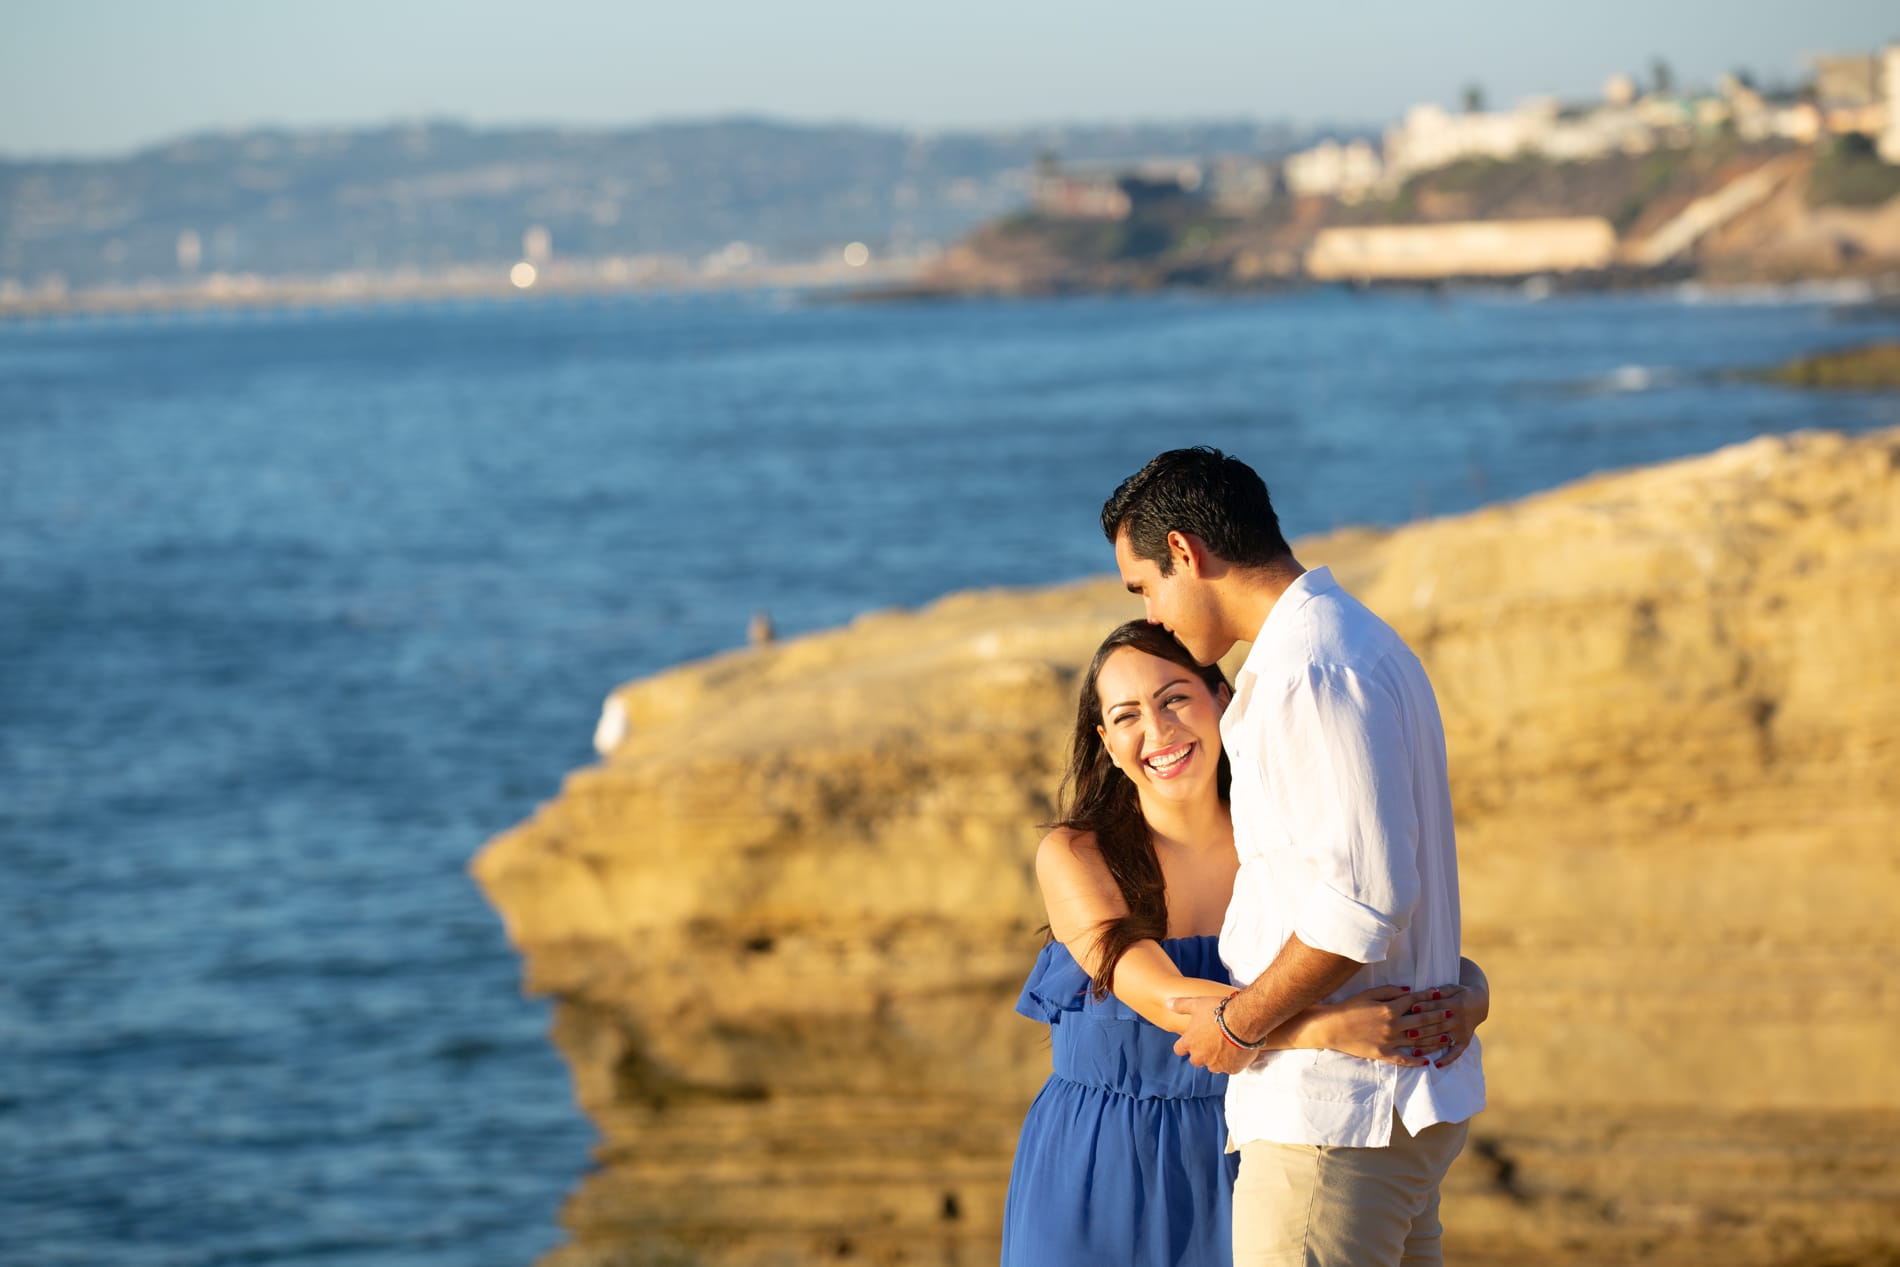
<point>785,922</point>
<point>1719,211</point>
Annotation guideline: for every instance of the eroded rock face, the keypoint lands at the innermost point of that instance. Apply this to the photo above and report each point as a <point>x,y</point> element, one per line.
<point>785,920</point>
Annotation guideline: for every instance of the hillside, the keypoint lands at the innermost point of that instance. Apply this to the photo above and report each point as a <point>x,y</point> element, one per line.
<point>1836,213</point>
<point>429,195</point>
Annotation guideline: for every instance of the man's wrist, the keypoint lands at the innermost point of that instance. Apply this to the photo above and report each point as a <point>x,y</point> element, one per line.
<point>1227,1030</point>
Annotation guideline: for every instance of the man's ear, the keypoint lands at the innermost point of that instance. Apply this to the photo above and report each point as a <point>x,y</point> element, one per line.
<point>1186,551</point>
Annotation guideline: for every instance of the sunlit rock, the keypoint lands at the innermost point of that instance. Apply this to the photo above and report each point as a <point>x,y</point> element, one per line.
<point>784,922</point>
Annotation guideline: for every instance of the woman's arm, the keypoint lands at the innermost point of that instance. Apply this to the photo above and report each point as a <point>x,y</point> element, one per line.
<point>1421,1027</point>
<point>1146,979</point>
<point>1430,1026</point>
<point>1080,897</point>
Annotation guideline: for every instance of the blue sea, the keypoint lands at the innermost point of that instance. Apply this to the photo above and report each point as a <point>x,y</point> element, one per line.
<point>299,609</point>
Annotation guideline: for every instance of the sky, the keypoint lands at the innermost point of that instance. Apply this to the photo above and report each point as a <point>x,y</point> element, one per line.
<point>102,77</point>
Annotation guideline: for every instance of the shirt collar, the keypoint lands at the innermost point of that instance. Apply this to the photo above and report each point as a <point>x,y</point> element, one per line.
<point>1308,584</point>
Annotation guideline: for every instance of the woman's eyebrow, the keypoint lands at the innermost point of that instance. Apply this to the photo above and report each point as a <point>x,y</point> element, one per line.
<point>1131,703</point>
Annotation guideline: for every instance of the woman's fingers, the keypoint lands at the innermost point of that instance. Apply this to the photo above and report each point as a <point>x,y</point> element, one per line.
<point>1428,1026</point>
<point>1425,1002</point>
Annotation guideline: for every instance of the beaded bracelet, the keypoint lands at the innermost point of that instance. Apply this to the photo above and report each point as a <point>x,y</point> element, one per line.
<point>1220,1019</point>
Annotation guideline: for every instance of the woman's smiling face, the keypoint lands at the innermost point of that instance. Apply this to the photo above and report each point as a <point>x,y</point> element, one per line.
<point>1160,724</point>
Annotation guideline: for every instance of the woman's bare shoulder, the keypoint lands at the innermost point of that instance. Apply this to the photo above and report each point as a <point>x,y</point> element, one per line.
<point>1075,878</point>
<point>1067,848</point>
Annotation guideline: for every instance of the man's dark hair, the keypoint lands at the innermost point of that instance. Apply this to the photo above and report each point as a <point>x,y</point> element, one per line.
<point>1203,492</point>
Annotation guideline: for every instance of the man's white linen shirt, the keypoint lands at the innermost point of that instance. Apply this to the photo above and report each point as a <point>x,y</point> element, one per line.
<point>1342,819</point>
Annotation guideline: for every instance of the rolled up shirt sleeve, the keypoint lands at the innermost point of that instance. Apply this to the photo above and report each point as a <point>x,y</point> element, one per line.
<point>1338,770</point>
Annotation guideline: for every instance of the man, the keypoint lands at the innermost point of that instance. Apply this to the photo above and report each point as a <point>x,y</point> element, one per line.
<point>1348,870</point>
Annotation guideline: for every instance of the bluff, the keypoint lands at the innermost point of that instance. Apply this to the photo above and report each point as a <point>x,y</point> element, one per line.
<point>785,920</point>
<point>1719,211</point>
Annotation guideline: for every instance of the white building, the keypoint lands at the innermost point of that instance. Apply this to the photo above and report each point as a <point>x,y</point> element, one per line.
<point>1331,170</point>
<point>1432,136</point>
<point>1889,140</point>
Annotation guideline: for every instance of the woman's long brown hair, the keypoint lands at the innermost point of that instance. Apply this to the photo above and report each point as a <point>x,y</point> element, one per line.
<point>1099,799</point>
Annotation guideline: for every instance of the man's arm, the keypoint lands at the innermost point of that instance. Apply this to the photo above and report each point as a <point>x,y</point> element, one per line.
<point>1338,774</point>
<point>1298,977</point>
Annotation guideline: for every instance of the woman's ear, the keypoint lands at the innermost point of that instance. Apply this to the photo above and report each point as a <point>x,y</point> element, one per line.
<point>1223,696</point>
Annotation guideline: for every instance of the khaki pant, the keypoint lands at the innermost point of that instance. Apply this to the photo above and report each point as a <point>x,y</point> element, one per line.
<point>1306,1205</point>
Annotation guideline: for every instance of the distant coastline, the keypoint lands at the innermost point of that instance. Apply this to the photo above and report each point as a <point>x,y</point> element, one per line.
<point>463,284</point>
<point>1717,213</point>
<point>270,221</point>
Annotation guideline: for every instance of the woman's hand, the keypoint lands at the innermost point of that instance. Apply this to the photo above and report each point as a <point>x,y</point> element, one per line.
<point>1416,1028</point>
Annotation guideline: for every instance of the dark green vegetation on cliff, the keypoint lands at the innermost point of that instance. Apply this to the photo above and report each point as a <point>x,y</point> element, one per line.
<point>1622,188</point>
<point>1876,367</point>
<point>1850,173</point>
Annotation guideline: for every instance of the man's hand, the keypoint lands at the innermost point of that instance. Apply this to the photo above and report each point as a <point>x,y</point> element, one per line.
<point>1203,1044</point>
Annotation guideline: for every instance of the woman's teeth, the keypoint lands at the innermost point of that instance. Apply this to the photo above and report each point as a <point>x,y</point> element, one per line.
<point>1162,763</point>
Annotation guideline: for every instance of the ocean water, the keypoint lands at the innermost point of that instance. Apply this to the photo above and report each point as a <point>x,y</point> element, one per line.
<point>297,610</point>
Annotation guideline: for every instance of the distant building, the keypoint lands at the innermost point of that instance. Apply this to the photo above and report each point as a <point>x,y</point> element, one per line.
<point>1113,190</point>
<point>1889,139</point>
<point>1433,137</point>
<point>1851,93</point>
<point>1758,117</point>
<point>1066,197</point>
<point>1580,136</point>
<point>1330,170</point>
<point>1238,185</point>
<point>1847,79</point>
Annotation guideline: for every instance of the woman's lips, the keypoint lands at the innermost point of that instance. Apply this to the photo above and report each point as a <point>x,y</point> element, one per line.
<point>1170,762</point>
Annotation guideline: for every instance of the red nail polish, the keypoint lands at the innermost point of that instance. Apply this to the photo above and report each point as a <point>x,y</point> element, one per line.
<point>1436,995</point>
<point>1447,1013</point>
<point>1416,1052</point>
<point>1411,1033</point>
<point>1444,1038</point>
<point>1417,1008</point>
<point>1438,1064</point>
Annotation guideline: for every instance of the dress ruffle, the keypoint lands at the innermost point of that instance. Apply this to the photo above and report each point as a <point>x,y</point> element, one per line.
<point>1120,1159</point>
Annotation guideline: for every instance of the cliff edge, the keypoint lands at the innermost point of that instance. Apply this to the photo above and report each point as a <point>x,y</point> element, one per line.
<point>785,922</point>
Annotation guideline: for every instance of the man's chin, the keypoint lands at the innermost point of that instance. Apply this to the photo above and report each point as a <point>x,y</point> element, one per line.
<point>1203,657</point>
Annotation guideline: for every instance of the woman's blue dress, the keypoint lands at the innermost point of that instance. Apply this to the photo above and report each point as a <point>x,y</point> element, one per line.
<point>1121,1158</point>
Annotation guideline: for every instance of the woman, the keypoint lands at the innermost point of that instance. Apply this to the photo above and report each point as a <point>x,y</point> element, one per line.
<point>1121,1156</point>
